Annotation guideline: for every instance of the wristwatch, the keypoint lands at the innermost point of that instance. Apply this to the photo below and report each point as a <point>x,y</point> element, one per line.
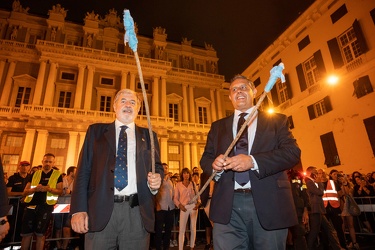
<point>3,221</point>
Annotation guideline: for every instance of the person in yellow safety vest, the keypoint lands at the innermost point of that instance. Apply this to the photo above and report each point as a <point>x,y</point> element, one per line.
<point>331,199</point>
<point>41,191</point>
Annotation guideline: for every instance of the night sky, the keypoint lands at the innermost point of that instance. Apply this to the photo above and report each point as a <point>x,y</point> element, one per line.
<point>239,30</point>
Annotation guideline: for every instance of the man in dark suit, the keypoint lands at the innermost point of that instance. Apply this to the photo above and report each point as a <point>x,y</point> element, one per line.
<point>318,220</point>
<point>255,213</point>
<point>112,216</point>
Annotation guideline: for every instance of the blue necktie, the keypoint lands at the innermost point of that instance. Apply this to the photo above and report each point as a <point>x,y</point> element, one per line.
<point>242,147</point>
<point>121,168</point>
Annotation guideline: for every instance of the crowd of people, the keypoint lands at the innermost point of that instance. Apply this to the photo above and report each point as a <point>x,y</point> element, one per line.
<point>322,204</point>
<point>120,195</point>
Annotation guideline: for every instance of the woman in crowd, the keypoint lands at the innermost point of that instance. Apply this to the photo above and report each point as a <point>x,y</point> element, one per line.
<point>185,190</point>
<point>362,190</point>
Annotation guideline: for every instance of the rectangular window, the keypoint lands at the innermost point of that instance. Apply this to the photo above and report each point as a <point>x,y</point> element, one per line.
<point>319,108</point>
<point>173,111</point>
<point>311,71</point>
<point>349,45</point>
<point>303,43</point>
<point>283,92</point>
<point>105,103</point>
<point>68,76</point>
<point>339,13</point>
<point>173,62</point>
<point>109,46</point>
<point>59,161</point>
<point>139,86</point>
<point>14,141</point>
<point>202,115</point>
<point>173,149</point>
<point>330,151</point>
<point>107,81</point>
<point>199,67</point>
<point>174,167</point>
<point>23,96</point>
<point>58,143</point>
<point>65,99</point>
<point>10,163</point>
<point>362,86</point>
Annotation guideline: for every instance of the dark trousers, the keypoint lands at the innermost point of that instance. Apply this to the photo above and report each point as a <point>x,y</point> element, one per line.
<point>163,219</point>
<point>331,233</point>
<point>312,237</point>
<point>334,216</point>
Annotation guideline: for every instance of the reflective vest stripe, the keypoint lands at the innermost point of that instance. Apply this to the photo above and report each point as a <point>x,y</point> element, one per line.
<point>51,199</point>
<point>330,195</point>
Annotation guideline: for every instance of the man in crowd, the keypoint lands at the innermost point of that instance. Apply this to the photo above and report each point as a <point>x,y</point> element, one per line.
<point>41,194</point>
<point>164,212</point>
<point>15,186</point>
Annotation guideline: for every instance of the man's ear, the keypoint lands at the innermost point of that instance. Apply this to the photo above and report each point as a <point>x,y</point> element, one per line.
<point>255,92</point>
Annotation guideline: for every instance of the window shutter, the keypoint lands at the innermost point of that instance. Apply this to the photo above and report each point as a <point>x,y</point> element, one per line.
<point>288,86</point>
<point>335,52</point>
<point>320,63</point>
<point>330,151</point>
<point>327,103</point>
<point>360,37</point>
<point>301,78</point>
<point>357,92</point>
<point>311,111</point>
<point>275,96</point>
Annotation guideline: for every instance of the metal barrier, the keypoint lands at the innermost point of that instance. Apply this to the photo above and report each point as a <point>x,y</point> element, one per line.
<point>365,223</point>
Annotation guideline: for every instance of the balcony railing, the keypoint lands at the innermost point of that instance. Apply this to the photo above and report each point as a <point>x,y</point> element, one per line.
<point>38,111</point>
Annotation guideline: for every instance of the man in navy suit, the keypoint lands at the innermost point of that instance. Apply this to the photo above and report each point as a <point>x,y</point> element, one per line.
<point>251,214</point>
<point>116,217</point>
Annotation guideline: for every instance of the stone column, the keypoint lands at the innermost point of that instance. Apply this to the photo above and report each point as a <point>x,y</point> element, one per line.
<point>82,136</point>
<point>2,67</point>
<point>192,104</point>
<point>79,88</point>
<point>50,88</point>
<point>37,100</point>
<point>187,162</point>
<point>194,154</point>
<point>89,86</point>
<point>132,81</point>
<point>164,149</point>
<point>28,145</point>
<point>163,97</point>
<point>155,97</point>
<point>185,112</point>
<point>213,106</point>
<point>72,148</point>
<point>5,94</point>
<point>219,104</point>
<point>40,147</point>
<point>124,79</point>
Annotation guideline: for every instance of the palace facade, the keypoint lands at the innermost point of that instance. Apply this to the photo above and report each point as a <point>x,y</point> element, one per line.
<point>58,77</point>
<point>334,124</point>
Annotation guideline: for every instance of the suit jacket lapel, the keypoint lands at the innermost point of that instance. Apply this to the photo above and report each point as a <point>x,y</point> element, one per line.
<point>110,135</point>
<point>228,133</point>
<point>261,127</point>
